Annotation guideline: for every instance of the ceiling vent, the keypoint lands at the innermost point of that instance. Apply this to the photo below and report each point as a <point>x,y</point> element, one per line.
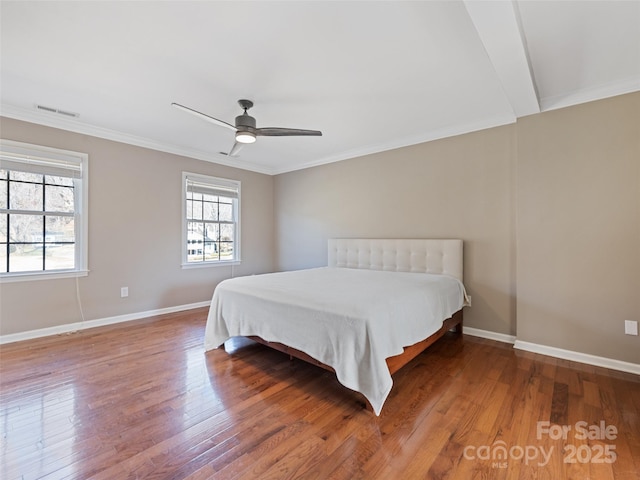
<point>57,111</point>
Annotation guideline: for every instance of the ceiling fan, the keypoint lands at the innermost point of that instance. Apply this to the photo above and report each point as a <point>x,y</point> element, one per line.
<point>245,127</point>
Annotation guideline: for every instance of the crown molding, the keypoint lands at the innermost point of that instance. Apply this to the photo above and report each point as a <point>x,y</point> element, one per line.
<point>591,94</point>
<point>55,121</point>
<point>438,134</point>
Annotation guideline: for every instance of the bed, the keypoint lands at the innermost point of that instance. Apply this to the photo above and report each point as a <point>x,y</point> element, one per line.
<point>377,305</point>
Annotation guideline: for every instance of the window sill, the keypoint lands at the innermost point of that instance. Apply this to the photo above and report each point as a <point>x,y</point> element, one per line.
<point>33,276</point>
<point>228,263</point>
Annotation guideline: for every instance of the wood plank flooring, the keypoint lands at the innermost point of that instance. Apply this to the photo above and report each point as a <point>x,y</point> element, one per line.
<point>143,400</point>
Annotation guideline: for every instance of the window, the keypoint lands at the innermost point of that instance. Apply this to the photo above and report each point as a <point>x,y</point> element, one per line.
<point>211,220</point>
<point>43,200</point>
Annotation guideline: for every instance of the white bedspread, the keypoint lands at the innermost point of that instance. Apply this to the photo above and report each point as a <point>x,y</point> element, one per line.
<point>347,318</point>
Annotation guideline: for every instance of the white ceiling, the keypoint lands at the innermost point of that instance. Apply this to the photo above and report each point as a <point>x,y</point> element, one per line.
<point>371,75</point>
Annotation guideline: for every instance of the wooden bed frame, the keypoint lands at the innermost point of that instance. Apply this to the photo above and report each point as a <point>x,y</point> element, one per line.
<point>435,256</point>
<point>394,363</point>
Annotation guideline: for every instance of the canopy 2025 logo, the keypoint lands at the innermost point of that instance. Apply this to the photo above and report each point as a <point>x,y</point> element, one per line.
<point>500,454</point>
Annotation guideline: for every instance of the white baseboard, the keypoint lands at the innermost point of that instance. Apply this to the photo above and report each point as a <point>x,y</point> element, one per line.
<point>74,327</point>
<point>555,352</point>
<point>499,337</point>
<point>476,332</point>
<point>579,357</point>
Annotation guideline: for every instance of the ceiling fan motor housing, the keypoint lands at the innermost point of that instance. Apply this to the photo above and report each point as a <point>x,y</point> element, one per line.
<point>246,122</point>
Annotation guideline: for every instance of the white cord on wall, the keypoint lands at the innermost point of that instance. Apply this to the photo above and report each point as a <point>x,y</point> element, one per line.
<point>78,298</point>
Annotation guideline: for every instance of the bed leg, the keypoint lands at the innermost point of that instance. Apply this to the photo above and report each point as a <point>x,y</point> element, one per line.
<point>458,316</point>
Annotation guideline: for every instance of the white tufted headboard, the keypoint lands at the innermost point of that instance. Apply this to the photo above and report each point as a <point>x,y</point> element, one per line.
<point>399,255</point>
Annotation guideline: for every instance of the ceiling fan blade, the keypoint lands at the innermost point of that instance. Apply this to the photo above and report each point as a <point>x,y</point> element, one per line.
<point>286,132</point>
<point>237,146</point>
<point>204,116</point>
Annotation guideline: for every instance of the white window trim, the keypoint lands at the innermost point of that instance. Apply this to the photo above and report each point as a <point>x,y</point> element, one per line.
<point>19,149</point>
<point>208,179</point>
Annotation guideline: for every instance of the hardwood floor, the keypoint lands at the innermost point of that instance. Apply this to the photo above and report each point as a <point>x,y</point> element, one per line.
<point>143,400</point>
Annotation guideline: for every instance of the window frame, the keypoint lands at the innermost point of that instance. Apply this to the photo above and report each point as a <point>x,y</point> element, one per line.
<point>214,183</point>
<point>38,156</point>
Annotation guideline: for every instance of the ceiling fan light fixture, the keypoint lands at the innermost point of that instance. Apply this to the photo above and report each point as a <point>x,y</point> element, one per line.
<point>245,137</point>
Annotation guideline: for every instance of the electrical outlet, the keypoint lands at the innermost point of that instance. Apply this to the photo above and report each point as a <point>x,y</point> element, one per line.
<point>630,327</point>
<point>124,292</point>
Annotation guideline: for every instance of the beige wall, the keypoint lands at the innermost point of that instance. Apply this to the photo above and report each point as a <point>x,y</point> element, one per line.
<point>578,272</point>
<point>549,209</point>
<point>134,235</point>
<point>460,187</point>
